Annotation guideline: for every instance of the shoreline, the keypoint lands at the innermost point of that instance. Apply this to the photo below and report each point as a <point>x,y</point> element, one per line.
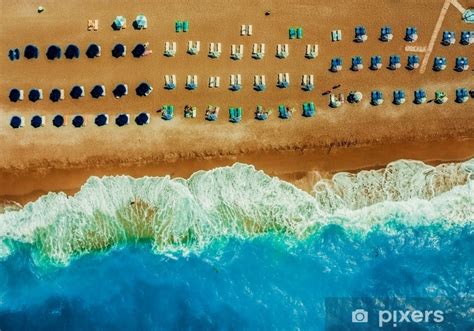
<point>300,167</point>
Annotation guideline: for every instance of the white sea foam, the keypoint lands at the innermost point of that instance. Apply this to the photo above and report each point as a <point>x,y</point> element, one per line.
<point>238,201</point>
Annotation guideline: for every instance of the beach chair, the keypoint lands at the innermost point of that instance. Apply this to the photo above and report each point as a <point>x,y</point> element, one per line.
<point>283,112</point>
<point>336,101</point>
<point>260,114</point>
<point>308,109</point>
<point>336,35</point>
<point>243,30</point>
<point>441,97</point>
<point>212,113</point>
<point>292,33</point>
<point>186,26</point>
<point>360,34</point>
<point>167,112</point>
<point>179,26</point>
<point>218,81</point>
<point>249,30</point>
<point>299,33</point>
<point>235,115</point>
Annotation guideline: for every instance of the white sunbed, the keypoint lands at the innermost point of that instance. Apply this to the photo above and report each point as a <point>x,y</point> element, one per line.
<point>249,30</point>
<point>217,81</point>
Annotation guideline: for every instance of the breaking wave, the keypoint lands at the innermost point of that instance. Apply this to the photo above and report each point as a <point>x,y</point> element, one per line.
<point>182,215</point>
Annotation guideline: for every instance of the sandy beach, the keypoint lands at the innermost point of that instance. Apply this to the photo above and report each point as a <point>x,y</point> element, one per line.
<point>355,136</point>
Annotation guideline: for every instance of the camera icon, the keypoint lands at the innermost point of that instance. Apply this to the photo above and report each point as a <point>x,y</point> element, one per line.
<point>360,316</point>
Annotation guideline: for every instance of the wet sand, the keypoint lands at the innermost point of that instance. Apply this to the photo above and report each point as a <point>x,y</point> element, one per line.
<point>353,137</point>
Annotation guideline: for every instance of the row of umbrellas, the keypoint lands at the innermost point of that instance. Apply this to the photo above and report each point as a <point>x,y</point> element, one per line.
<point>78,91</point>
<point>79,121</point>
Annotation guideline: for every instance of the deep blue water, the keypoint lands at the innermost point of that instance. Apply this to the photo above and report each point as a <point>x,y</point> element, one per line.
<point>268,282</point>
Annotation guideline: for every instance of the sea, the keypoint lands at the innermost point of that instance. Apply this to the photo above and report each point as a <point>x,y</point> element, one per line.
<point>236,249</point>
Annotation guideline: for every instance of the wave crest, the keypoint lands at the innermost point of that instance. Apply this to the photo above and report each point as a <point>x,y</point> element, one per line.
<point>237,201</point>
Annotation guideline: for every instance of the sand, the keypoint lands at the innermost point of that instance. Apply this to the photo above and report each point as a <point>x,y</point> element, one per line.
<point>34,161</point>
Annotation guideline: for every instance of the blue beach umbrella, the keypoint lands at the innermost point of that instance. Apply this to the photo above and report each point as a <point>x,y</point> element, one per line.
<point>16,122</point>
<point>142,119</point>
<point>122,119</point>
<point>72,52</point>
<point>77,92</point>
<point>54,52</point>
<point>37,121</point>
<point>98,91</point>
<point>118,50</point>
<point>93,51</point>
<point>78,121</point>
<point>143,89</point>
<point>58,121</point>
<point>34,95</point>
<point>101,120</point>
<point>120,22</point>
<point>139,50</point>
<point>31,52</point>
<point>14,95</point>
<point>140,22</point>
<point>55,95</point>
<point>120,90</point>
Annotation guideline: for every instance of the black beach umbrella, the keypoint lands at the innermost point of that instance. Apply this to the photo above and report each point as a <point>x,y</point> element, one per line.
<point>97,91</point>
<point>139,50</point>
<point>14,95</point>
<point>58,121</point>
<point>76,92</point>
<point>93,51</point>
<point>119,90</point>
<point>78,121</point>
<point>15,122</point>
<point>142,119</point>
<point>31,52</point>
<point>55,95</point>
<point>54,52</point>
<point>34,95</point>
<point>36,121</point>
<point>121,120</point>
<point>143,89</point>
<point>118,50</point>
<point>72,52</point>
<point>101,120</point>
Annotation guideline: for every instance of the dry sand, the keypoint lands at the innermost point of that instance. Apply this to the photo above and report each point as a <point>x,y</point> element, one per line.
<point>33,161</point>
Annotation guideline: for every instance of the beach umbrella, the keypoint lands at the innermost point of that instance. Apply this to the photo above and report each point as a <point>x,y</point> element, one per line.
<point>118,50</point>
<point>120,22</point>
<point>54,52</point>
<point>55,95</point>
<point>77,92</point>
<point>101,120</point>
<point>120,90</point>
<point>72,52</point>
<point>139,50</point>
<point>14,54</point>
<point>16,122</point>
<point>98,91</point>
<point>34,95</point>
<point>140,22</point>
<point>93,51</point>
<point>31,52</point>
<point>15,95</point>
<point>143,89</point>
<point>58,121</point>
<point>37,121</point>
<point>122,119</point>
<point>142,119</point>
<point>78,121</point>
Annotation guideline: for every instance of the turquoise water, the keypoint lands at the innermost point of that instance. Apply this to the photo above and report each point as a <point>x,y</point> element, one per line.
<point>234,248</point>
